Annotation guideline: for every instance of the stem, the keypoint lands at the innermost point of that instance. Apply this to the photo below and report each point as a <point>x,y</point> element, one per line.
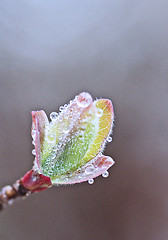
<point>31,182</point>
<point>9,193</point>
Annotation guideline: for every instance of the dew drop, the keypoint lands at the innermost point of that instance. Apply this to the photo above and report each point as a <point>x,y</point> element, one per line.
<point>33,142</point>
<point>99,112</point>
<point>83,127</point>
<point>109,139</point>
<point>53,155</point>
<point>60,119</point>
<point>89,169</point>
<point>81,136</point>
<point>53,115</point>
<point>61,108</point>
<point>85,120</point>
<point>84,100</point>
<point>105,174</point>
<point>91,181</point>
<point>33,134</point>
<point>79,176</point>
<point>65,131</point>
<point>54,148</point>
<point>34,179</point>
<point>35,166</point>
<point>34,152</point>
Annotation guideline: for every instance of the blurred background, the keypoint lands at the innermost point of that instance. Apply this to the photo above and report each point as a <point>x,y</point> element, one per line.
<point>49,52</point>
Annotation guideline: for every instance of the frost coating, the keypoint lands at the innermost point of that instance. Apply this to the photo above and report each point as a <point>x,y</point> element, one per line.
<point>68,149</point>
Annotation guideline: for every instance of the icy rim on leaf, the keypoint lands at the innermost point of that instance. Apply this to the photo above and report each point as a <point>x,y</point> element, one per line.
<point>68,149</point>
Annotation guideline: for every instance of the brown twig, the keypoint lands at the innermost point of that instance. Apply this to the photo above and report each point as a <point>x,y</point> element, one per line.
<point>9,193</point>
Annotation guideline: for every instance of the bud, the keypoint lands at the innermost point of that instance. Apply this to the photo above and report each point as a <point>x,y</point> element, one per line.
<point>69,148</point>
<point>35,182</point>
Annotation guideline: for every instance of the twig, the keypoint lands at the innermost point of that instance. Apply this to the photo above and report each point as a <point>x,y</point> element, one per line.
<point>9,193</point>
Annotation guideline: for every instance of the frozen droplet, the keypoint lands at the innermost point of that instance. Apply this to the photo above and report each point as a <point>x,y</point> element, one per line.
<point>90,169</point>
<point>35,166</point>
<point>33,133</point>
<point>60,118</point>
<point>91,181</point>
<point>105,174</point>
<point>81,136</point>
<point>51,138</point>
<point>61,108</point>
<point>34,179</point>
<point>89,113</point>
<point>53,155</point>
<point>84,100</point>
<point>65,131</point>
<point>99,112</point>
<point>34,151</point>
<point>85,120</point>
<point>54,148</point>
<point>33,142</point>
<point>53,115</point>
<point>82,127</point>
<point>109,139</point>
<point>90,133</point>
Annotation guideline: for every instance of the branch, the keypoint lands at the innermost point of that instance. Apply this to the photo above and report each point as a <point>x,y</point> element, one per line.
<point>9,193</point>
<point>31,182</point>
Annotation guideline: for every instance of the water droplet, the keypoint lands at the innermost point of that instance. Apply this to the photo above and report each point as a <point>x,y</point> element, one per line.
<point>53,115</point>
<point>90,169</point>
<point>33,133</point>
<point>54,148</point>
<point>84,100</point>
<point>99,112</point>
<point>105,174</point>
<point>34,151</point>
<point>65,131</point>
<point>61,108</point>
<point>83,127</point>
<point>90,133</point>
<point>53,155</point>
<point>85,120</point>
<point>109,139</point>
<point>35,166</point>
<point>81,136</point>
<point>34,179</point>
<point>33,142</point>
<point>91,181</point>
<point>60,118</point>
<point>51,137</point>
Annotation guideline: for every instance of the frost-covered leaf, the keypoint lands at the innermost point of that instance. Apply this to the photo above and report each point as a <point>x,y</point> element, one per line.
<point>39,124</point>
<point>74,138</point>
<point>87,172</point>
<point>104,111</point>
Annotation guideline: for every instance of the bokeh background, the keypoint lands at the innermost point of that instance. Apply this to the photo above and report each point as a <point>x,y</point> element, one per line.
<point>49,52</point>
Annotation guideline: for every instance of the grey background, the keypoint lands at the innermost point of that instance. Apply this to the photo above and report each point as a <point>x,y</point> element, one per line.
<point>49,52</point>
